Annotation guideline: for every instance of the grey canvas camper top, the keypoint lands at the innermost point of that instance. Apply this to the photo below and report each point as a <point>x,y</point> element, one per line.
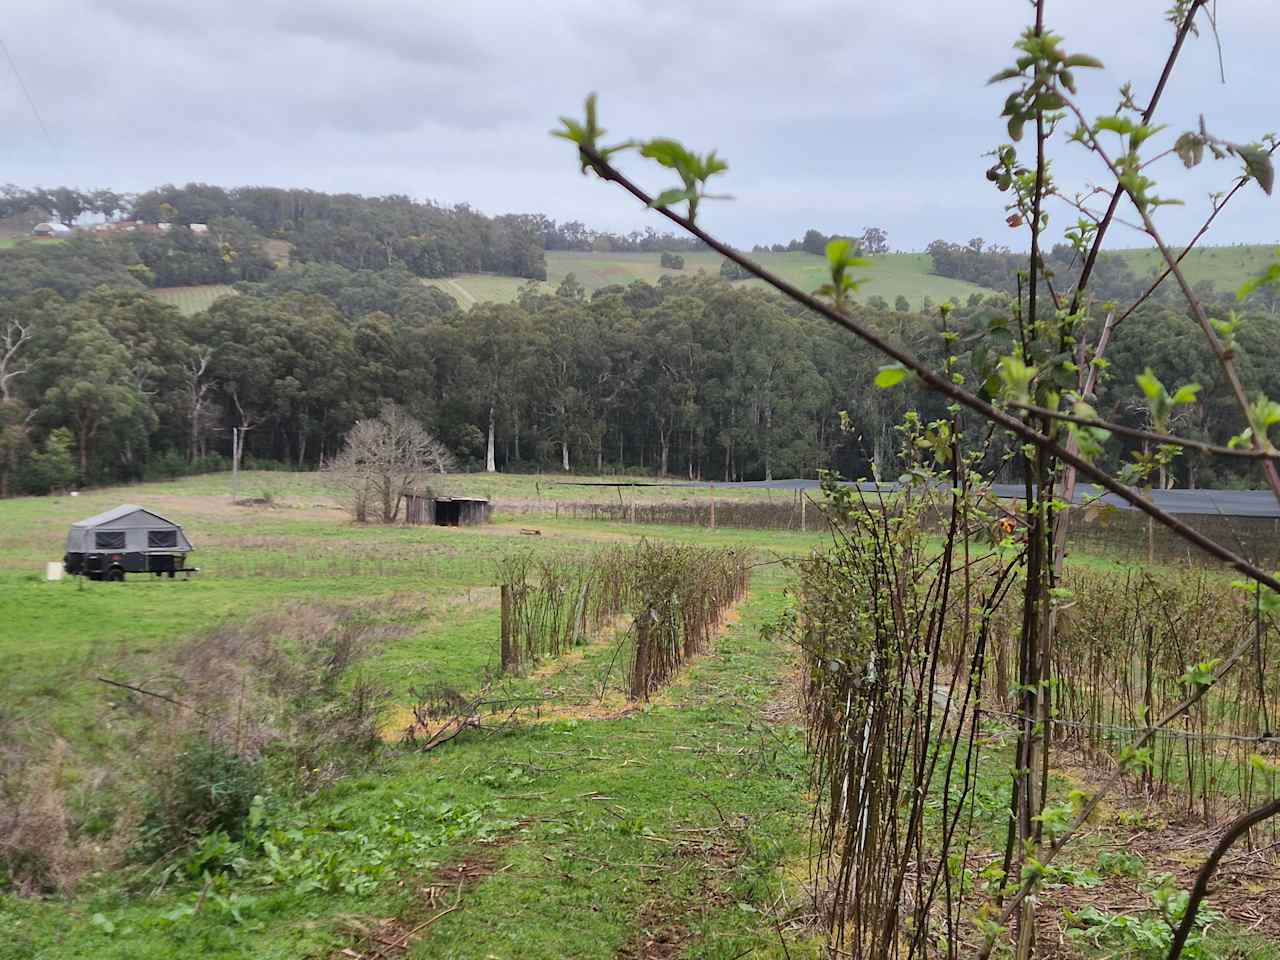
<point>128,539</point>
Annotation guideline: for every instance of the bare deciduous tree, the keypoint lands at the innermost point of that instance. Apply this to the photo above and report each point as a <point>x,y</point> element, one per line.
<point>385,458</point>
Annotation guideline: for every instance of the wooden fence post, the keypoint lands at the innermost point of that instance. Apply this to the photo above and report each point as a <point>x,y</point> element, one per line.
<point>802,499</point>
<point>508,651</point>
<point>640,669</point>
<point>713,508</point>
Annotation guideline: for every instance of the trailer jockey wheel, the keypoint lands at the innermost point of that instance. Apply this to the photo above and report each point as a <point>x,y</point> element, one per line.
<point>115,575</point>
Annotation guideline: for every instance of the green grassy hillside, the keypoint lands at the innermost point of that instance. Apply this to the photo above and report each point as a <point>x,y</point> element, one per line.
<point>191,300</point>
<point>907,274</point>
<point>1225,267</point>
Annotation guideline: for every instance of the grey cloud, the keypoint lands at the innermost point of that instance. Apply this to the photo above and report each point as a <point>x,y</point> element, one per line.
<point>832,114</point>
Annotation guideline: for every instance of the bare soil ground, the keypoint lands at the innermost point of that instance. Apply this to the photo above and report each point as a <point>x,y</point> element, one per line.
<point>386,938</point>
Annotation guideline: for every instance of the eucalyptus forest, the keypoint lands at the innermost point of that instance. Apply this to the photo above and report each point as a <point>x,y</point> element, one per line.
<point>693,376</point>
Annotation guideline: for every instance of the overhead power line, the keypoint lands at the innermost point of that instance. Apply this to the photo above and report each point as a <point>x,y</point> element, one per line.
<point>17,75</point>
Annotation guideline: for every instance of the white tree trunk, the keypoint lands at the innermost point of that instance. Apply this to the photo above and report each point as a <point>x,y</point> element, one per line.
<point>768,442</point>
<point>490,465</point>
<point>564,455</point>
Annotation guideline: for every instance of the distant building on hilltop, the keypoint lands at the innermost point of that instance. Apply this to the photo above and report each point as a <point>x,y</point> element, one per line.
<point>47,229</point>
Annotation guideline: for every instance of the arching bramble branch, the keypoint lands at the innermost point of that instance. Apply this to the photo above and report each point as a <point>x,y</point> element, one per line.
<point>934,380</point>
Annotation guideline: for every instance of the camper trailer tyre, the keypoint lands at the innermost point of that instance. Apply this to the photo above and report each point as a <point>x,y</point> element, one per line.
<point>115,575</point>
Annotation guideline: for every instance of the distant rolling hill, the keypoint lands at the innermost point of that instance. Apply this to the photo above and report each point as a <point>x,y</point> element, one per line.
<point>1225,267</point>
<point>907,274</point>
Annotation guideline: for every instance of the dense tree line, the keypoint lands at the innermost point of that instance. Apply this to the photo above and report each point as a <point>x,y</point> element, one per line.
<point>356,232</point>
<point>230,252</point>
<point>577,236</point>
<point>692,377</point>
<point>871,242</point>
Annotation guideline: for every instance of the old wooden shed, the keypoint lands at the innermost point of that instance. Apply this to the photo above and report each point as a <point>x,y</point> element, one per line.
<point>446,511</point>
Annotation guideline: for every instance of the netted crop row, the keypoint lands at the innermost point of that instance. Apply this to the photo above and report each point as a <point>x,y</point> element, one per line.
<point>1128,649</point>
<point>1127,535</point>
<point>784,513</point>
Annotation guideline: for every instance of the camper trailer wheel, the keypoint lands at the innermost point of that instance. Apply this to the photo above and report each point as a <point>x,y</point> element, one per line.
<point>115,575</point>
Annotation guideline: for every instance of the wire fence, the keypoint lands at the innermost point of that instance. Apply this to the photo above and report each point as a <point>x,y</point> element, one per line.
<point>791,513</point>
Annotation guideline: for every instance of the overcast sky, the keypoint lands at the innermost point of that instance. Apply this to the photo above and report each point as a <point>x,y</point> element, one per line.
<point>834,115</point>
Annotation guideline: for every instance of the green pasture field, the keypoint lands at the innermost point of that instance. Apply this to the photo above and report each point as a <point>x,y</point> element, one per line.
<point>13,240</point>
<point>587,829</point>
<point>907,274</point>
<point>59,637</point>
<point>1226,268</point>
<point>191,300</point>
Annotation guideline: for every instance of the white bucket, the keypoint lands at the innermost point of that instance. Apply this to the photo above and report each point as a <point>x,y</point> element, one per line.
<point>53,570</point>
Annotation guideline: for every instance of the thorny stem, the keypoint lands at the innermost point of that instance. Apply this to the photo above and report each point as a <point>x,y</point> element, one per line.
<point>1183,30</point>
<point>1204,228</point>
<point>1237,829</point>
<point>938,383</point>
<point>1035,643</point>
<point>1225,358</point>
<point>1154,437</point>
<point>1087,379</point>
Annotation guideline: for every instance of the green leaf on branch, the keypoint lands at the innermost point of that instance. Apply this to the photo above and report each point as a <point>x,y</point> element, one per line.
<point>668,197</point>
<point>1151,385</point>
<point>587,136</point>
<point>693,169</point>
<point>1202,674</point>
<point>1015,378</point>
<point>890,376</point>
<point>1006,74</point>
<point>1264,413</point>
<point>1161,403</point>
<point>1114,124</point>
<point>841,256</point>
<point>1253,284</point>
<point>1089,440</point>
<point>1268,600</point>
<point>1083,60</point>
